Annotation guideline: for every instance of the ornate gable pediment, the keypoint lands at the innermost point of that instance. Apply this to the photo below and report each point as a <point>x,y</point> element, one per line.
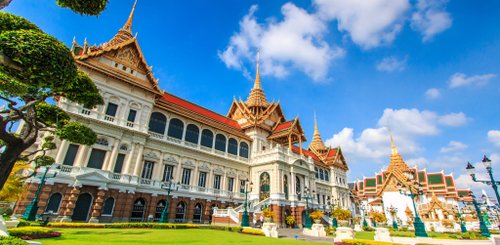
<point>130,56</point>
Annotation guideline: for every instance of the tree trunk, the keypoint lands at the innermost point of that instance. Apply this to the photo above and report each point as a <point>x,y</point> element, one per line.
<point>4,3</point>
<point>7,161</point>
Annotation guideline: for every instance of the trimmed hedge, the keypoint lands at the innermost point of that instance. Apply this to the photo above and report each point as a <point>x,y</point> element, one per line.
<point>252,231</point>
<point>146,225</point>
<point>11,240</point>
<point>75,225</point>
<point>33,232</point>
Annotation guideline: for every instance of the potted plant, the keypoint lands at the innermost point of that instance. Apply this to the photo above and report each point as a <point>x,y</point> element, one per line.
<point>343,215</point>
<point>448,224</point>
<point>377,217</point>
<point>290,221</point>
<point>316,215</point>
<point>268,214</point>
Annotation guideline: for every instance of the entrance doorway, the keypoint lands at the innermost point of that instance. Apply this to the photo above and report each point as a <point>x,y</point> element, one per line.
<point>82,207</point>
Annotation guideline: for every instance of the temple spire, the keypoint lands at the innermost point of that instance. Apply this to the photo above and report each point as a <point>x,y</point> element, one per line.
<point>257,98</point>
<point>125,33</point>
<point>394,151</point>
<point>128,24</point>
<point>317,142</point>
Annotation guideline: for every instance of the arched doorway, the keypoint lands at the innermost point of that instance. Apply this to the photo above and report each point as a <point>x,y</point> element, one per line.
<point>285,186</point>
<point>264,186</point>
<point>138,210</point>
<point>198,213</point>
<point>303,218</point>
<point>298,188</point>
<point>160,206</point>
<point>82,207</point>
<point>180,212</point>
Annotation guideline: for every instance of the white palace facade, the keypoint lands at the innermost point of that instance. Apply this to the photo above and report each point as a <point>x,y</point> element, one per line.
<point>147,136</point>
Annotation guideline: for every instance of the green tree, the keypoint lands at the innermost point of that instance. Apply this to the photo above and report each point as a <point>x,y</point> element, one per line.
<point>14,187</point>
<point>36,67</point>
<point>87,7</point>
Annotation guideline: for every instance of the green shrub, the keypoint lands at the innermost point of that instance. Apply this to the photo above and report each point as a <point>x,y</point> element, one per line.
<point>11,240</point>
<point>252,231</point>
<point>23,222</point>
<point>402,234</point>
<point>368,228</point>
<point>330,230</point>
<point>74,225</point>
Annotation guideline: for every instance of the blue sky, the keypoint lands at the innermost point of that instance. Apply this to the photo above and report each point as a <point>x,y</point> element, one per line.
<point>428,70</point>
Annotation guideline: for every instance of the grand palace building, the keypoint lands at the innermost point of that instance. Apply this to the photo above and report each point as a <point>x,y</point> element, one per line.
<point>149,138</point>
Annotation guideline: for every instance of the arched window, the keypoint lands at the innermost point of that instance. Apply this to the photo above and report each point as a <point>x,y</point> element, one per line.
<point>232,146</point>
<point>198,214</point>
<point>244,150</point>
<point>220,142</point>
<point>207,138</point>
<point>160,206</point>
<point>157,123</point>
<point>54,203</point>
<point>298,188</point>
<point>264,186</point>
<point>175,128</point>
<point>138,210</point>
<point>192,133</point>
<point>180,212</point>
<point>109,204</point>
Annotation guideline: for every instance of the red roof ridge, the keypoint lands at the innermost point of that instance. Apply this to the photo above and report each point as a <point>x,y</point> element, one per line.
<point>200,110</point>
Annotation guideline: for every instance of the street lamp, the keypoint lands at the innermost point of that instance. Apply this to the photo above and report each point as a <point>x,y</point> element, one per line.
<point>364,208</point>
<point>413,191</point>
<point>168,186</point>
<point>393,212</point>
<point>307,196</point>
<point>462,225</point>
<point>245,220</point>
<point>332,203</point>
<point>482,226</point>
<point>32,208</point>
<point>487,164</point>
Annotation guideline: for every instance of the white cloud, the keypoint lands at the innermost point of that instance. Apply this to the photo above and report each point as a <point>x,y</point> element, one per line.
<point>369,23</point>
<point>430,18</point>
<point>454,146</point>
<point>391,64</point>
<point>407,126</point>
<point>432,93</point>
<point>494,137</point>
<point>464,181</point>
<point>420,162</point>
<point>453,119</point>
<point>461,80</point>
<point>295,42</point>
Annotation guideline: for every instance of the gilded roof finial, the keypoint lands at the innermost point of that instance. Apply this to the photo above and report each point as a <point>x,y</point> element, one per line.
<point>317,142</point>
<point>316,131</point>
<point>256,84</point>
<point>394,151</point>
<point>257,98</point>
<point>128,24</point>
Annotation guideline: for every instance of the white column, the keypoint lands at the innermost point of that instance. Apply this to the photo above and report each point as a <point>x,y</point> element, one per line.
<point>110,164</point>
<point>178,176</point>
<point>61,153</point>
<point>292,194</point>
<point>128,162</point>
<point>139,162</point>
<point>158,168</point>
<point>82,156</point>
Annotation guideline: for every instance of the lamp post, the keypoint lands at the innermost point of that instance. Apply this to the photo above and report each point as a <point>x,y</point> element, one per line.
<point>32,208</point>
<point>462,225</point>
<point>392,210</point>
<point>307,196</point>
<point>487,164</point>
<point>168,186</point>
<point>413,191</point>
<point>482,226</point>
<point>245,220</point>
<point>363,207</point>
<point>332,202</point>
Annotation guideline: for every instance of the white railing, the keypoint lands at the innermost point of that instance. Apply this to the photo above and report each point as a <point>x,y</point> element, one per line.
<point>328,219</point>
<point>257,206</point>
<point>235,216</point>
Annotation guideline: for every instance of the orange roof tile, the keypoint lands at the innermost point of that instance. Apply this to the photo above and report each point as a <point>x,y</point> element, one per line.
<point>200,110</point>
<point>282,126</point>
<point>296,149</point>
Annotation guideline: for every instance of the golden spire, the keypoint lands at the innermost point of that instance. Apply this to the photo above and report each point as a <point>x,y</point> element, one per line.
<point>317,142</point>
<point>128,24</point>
<point>257,98</point>
<point>394,151</point>
<point>125,33</point>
